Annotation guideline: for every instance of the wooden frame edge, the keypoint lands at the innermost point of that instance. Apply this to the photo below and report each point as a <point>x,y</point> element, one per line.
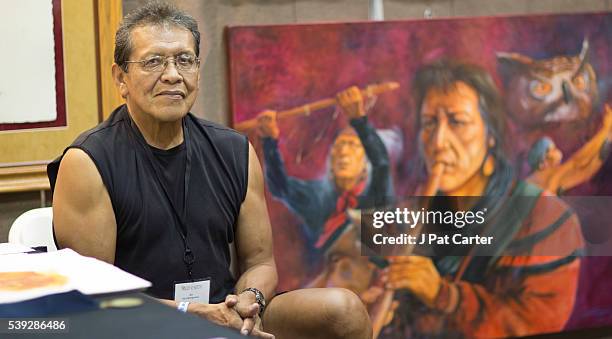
<point>23,178</point>
<point>108,15</point>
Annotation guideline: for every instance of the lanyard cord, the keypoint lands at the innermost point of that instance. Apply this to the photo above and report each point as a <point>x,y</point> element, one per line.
<point>188,255</point>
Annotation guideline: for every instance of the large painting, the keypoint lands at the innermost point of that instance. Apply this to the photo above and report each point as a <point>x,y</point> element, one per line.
<point>348,117</point>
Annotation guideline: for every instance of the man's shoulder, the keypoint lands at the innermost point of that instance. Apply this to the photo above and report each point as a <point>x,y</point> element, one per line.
<point>99,135</point>
<point>207,124</point>
<point>546,200</point>
<point>551,229</point>
<point>98,143</point>
<point>540,203</point>
<point>215,130</point>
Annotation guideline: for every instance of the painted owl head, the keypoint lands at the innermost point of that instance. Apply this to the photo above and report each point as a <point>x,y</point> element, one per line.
<point>558,89</point>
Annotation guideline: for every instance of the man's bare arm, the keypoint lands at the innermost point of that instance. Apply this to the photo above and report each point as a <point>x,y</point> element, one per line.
<point>254,249</point>
<point>83,216</point>
<point>254,236</point>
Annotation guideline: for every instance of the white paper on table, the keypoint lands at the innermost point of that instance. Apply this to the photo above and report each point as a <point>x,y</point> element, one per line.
<point>11,248</point>
<point>88,275</point>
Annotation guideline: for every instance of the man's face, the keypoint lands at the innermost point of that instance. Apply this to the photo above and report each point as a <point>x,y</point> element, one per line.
<point>347,157</point>
<point>453,133</point>
<point>166,95</point>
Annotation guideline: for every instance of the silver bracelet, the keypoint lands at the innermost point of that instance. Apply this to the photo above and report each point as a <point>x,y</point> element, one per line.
<point>182,306</point>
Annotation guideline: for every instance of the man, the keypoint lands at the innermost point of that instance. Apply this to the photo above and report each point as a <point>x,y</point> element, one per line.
<point>161,194</point>
<point>359,177</point>
<point>525,281</point>
<point>322,204</point>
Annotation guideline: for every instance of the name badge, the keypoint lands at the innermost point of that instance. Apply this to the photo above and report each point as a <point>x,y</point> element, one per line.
<point>193,291</point>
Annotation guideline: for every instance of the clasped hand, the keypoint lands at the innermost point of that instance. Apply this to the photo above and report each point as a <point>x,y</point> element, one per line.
<point>240,312</point>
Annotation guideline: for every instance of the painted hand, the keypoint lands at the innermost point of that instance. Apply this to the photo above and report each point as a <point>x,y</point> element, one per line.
<point>416,274</point>
<point>607,118</point>
<point>351,102</point>
<point>267,126</point>
<point>371,295</point>
<point>433,182</point>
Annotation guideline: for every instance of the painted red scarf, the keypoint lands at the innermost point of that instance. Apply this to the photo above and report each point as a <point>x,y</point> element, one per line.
<point>348,199</point>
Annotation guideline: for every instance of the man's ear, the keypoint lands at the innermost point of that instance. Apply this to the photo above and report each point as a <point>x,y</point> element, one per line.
<point>198,79</point>
<point>119,78</point>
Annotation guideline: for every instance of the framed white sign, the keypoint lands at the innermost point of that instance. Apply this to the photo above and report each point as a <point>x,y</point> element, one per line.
<point>29,95</point>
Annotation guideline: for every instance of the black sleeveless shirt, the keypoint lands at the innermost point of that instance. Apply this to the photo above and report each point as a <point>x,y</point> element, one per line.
<point>151,222</point>
<point>172,164</point>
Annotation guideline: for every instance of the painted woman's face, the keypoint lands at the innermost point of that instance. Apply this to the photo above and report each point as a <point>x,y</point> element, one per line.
<point>552,158</point>
<point>453,133</point>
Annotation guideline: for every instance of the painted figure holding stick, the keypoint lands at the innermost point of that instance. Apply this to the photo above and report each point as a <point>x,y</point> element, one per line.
<point>359,177</point>
<point>358,165</point>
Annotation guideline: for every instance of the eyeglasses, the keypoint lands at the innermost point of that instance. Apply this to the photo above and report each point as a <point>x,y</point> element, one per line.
<point>186,62</point>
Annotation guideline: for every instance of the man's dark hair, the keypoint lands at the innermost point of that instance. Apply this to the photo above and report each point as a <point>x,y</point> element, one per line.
<point>152,13</point>
<point>444,75</point>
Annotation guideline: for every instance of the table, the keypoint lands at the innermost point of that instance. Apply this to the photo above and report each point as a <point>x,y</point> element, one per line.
<point>148,321</point>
